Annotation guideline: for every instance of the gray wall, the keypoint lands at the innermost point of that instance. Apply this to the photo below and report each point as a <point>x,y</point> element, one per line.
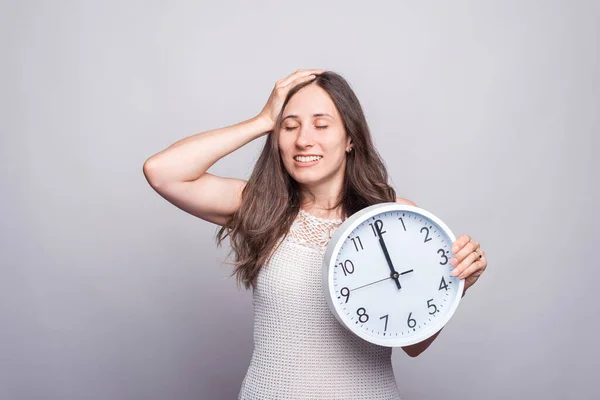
<point>486,114</point>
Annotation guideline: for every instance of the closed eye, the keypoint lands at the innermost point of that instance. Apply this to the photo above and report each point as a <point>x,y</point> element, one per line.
<point>287,128</point>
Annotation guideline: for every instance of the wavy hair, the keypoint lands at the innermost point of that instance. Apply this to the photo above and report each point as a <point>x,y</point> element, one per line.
<point>271,198</point>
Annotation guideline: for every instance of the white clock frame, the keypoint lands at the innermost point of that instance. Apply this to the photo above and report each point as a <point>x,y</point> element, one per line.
<point>336,242</point>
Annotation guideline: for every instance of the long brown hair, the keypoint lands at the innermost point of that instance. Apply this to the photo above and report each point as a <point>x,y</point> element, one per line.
<point>271,198</point>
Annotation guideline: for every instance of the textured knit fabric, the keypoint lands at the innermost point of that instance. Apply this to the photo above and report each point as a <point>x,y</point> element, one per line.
<point>301,351</point>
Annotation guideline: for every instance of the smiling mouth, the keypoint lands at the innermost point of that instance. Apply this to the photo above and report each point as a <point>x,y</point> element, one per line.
<point>307,160</point>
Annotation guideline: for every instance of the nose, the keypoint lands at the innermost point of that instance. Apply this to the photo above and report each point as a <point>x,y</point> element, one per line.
<point>305,137</point>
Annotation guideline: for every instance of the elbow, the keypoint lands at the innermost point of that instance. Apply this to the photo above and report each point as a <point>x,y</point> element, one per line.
<point>150,172</point>
<point>147,169</point>
<point>411,352</point>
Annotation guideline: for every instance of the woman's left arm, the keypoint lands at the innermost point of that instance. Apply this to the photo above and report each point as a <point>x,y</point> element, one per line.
<point>469,260</point>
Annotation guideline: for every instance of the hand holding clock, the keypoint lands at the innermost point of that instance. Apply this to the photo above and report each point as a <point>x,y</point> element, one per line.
<point>469,260</point>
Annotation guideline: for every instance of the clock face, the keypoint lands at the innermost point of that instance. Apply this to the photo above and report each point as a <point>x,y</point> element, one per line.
<point>389,274</point>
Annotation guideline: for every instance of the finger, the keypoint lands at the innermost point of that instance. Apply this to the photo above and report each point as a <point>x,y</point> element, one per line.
<point>463,253</point>
<point>295,75</point>
<point>474,269</point>
<point>298,81</point>
<point>460,242</point>
<point>462,270</point>
<point>470,259</point>
<point>483,260</point>
<point>299,74</point>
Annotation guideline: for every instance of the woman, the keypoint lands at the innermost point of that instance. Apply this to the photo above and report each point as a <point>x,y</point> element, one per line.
<point>318,167</point>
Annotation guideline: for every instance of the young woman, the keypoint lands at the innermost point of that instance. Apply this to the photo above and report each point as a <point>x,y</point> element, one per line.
<point>317,168</point>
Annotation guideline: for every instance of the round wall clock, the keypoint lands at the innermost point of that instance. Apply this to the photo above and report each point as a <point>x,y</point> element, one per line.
<point>387,274</point>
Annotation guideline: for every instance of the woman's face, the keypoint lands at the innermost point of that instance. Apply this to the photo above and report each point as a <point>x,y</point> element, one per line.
<point>311,126</point>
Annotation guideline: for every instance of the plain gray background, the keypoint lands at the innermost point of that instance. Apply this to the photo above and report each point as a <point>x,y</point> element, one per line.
<point>486,114</point>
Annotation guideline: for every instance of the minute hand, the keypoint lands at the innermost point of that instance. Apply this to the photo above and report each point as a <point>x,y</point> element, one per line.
<point>387,257</point>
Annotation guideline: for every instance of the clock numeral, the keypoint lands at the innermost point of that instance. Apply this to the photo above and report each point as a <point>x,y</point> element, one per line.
<point>443,254</point>
<point>347,269</point>
<point>346,294</point>
<point>364,314</point>
<point>411,320</point>
<point>427,238</point>
<point>431,305</point>
<point>386,320</point>
<point>359,242</point>
<point>379,226</point>
<point>401,220</point>
<point>443,284</point>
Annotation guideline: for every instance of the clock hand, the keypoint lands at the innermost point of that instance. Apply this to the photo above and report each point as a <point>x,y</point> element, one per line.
<point>406,272</point>
<point>387,257</point>
<point>370,283</point>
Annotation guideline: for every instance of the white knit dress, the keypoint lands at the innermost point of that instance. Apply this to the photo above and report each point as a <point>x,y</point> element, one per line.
<point>300,350</point>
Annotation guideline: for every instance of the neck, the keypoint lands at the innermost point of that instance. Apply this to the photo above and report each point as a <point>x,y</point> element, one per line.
<point>323,195</point>
<point>320,198</point>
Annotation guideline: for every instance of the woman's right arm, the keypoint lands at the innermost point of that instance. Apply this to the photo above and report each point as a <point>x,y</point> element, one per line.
<point>179,175</point>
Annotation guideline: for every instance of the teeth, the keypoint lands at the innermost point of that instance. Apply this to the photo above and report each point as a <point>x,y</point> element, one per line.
<point>307,159</point>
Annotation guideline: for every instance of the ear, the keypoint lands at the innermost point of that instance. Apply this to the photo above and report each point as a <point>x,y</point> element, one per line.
<point>348,143</point>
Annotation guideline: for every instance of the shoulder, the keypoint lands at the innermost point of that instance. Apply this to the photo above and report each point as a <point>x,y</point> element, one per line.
<point>405,201</point>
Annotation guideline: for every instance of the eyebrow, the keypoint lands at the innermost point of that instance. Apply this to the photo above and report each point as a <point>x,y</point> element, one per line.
<point>314,115</point>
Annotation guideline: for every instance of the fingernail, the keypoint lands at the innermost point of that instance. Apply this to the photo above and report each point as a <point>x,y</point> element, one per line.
<point>453,261</point>
<point>455,248</point>
<point>455,272</point>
